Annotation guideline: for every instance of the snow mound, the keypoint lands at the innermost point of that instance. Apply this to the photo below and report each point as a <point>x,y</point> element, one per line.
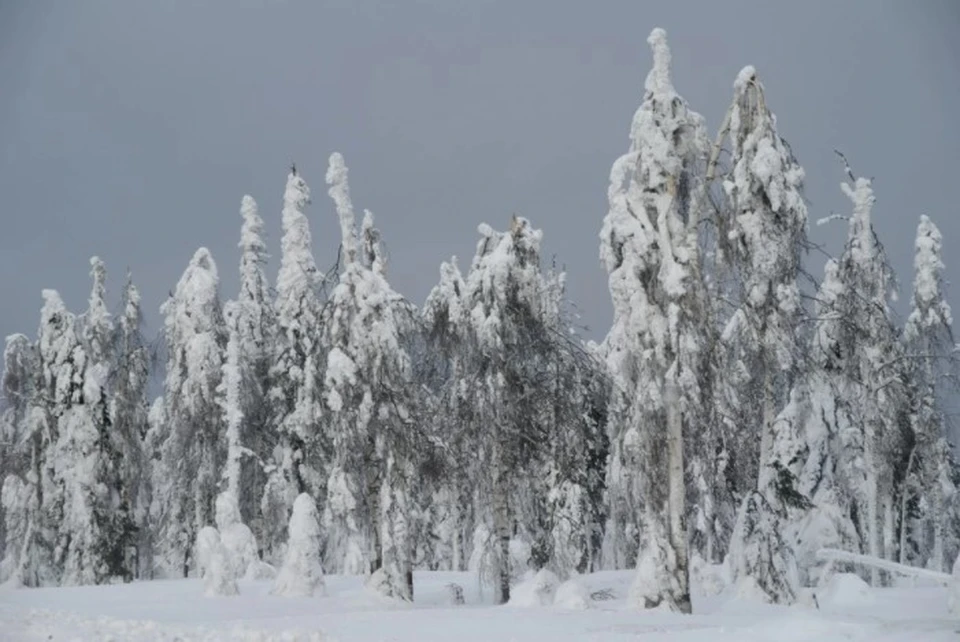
<point>845,591</point>
<point>538,590</point>
<point>708,579</point>
<point>746,589</point>
<point>572,595</point>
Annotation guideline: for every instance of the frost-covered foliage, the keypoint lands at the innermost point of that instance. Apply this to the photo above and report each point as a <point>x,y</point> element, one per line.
<point>372,403</point>
<point>189,439</point>
<point>648,244</point>
<point>302,572</point>
<point>299,461</point>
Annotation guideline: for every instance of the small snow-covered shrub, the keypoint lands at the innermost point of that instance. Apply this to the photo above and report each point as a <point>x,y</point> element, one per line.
<point>236,537</point>
<point>378,582</point>
<point>220,578</point>
<point>208,539</point>
<point>708,579</point>
<point>747,589</point>
<point>536,591</point>
<point>301,573</point>
<point>216,567</point>
<point>572,595</point>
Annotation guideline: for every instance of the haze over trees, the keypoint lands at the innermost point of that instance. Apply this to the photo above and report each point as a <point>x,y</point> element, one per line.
<point>742,409</point>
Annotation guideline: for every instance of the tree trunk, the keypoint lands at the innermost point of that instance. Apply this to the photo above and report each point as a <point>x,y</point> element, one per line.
<point>501,528</point>
<point>938,516</point>
<point>676,532</point>
<point>873,541</point>
<point>904,500</point>
<point>888,539</point>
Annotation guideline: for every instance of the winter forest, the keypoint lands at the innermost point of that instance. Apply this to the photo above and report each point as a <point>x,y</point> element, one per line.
<point>753,401</point>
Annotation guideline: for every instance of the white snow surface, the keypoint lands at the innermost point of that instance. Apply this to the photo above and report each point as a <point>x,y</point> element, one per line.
<point>171,610</point>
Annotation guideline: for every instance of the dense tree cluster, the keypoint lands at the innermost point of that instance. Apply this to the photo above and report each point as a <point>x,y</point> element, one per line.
<point>737,411</point>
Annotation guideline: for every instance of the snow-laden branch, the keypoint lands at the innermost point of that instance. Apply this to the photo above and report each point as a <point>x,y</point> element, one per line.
<point>832,554</point>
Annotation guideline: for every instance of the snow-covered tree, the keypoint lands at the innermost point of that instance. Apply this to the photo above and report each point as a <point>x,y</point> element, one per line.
<point>214,564</point>
<point>301,573</point>
<point>447,499</point>
<point>59,389</point>
<point>237,538</point>
<point>190,445</point>
<point>299,462</point>
<point>502,301</point>
<point>507,409</point>
<point>230,395</point>
<point>929,495</point>
<point>372,404</point>
<point>255,323</point>
<point>766,235</point>
<point>649,248</point>
<point>818,413</point>
<point>19,454</point>
<point>128,413</point>
<point>97,532</point>
<point>871,398</point>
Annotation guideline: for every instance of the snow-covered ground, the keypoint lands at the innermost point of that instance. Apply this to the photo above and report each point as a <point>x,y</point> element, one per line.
<point>177,610</point>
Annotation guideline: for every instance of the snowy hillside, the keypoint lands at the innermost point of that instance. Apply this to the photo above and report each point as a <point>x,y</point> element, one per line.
<point>175,610</point>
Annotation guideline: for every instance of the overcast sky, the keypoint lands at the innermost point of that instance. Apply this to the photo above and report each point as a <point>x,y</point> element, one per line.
<point>132,129</point>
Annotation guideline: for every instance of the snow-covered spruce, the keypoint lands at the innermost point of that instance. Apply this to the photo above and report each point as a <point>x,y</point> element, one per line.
<point>649,248</point>
<point>189,439</point>
<point>372,400</point>
<point>301,573</point>
<point>18,490</point>
<point>255,324</point>
<point>129,415</point>
<point>298,463</point>
<point>929,512</point>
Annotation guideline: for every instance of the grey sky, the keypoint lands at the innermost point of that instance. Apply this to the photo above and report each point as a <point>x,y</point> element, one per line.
<point>132,129</point>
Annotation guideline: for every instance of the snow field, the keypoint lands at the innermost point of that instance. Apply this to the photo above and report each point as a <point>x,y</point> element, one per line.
<point>172,610</point>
